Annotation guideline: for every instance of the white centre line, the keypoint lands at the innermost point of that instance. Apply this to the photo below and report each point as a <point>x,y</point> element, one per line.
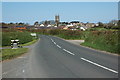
<point>68,51</point>
<point>54,42</point>
<point>99,65</point>
<point>58,46</point>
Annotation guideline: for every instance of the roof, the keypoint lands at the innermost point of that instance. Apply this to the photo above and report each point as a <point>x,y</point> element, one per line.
<point>19,26</point>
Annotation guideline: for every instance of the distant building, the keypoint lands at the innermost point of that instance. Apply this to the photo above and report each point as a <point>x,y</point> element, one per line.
<point>57,20</point>
<point>83,28</point>
<point>48,25</point>
<point>65,27</point>
<point>96,24</point>
<point>41,25</point>
<point>70,25</point>
<point>89,25</point>
<point>3,27</point>
<point>20,27</point>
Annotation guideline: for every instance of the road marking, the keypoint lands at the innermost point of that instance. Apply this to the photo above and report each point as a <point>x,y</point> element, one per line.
<point>54,42</point>
<point>58,46</point>
<point>99,65</point>
<point>23,71</point>
<point>4,73</point>
<point>51,39</point>
<point>68,51</point>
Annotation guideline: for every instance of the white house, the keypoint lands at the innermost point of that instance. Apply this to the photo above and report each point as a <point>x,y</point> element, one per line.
<point>49,25</point>
<point>83,28</point>
<point>41,25</point>
<point>55,26</point>
<point>96,24</point>
<point>70,25</point>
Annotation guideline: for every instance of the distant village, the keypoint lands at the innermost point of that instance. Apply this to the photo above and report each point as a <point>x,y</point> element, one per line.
<point>57,24</point>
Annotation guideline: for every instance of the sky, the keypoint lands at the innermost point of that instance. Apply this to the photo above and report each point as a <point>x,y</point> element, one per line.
<point>29,12</point>
<point>60,0</point>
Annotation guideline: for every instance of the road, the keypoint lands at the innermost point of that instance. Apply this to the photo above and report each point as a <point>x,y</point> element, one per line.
<point>52,57</point>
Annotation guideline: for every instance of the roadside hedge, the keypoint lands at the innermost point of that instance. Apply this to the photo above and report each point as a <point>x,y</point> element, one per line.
<point>23,37</point>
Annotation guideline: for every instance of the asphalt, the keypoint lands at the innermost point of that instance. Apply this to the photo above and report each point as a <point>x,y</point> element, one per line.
<point>52,57</point>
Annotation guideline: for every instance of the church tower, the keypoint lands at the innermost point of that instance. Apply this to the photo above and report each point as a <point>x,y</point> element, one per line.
<point>57,20</point>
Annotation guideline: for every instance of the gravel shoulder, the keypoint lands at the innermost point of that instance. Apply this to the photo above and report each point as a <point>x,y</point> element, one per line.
<point>78,42</point>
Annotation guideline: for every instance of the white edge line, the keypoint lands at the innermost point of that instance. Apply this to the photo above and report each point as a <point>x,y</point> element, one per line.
<point>99,65</point>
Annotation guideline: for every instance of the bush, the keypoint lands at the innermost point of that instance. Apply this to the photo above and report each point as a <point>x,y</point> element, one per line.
<point>69,34</point>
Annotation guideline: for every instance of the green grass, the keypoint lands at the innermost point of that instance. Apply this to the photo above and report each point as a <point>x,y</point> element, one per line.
<point>103,40</point>
<point>12,53</point>
<point>102,47</point>
<point>23,37</point>
<point>26,44</point>
<point>29,43</point>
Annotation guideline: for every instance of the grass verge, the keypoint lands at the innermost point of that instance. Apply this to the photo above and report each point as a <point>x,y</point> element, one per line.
<point>101,47</point>
<point>12,53</point>
<point>29,43</point>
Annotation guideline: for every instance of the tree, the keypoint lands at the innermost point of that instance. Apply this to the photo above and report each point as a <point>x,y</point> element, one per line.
<point>36,23</point>
<point>11,24</point>
<point>26,24</point>
<point>119,23</point>
<point>113,24</point>
<point>46,23</point>
<point>21,24</point>
<point>100,24</point>
<point>4,24</point>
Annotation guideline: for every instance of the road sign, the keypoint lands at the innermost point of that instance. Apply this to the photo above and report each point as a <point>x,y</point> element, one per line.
<point>14,44</point>
<point>33,34</point>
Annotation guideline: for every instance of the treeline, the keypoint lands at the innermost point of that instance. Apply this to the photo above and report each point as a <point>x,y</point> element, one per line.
<point>10,25</point>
